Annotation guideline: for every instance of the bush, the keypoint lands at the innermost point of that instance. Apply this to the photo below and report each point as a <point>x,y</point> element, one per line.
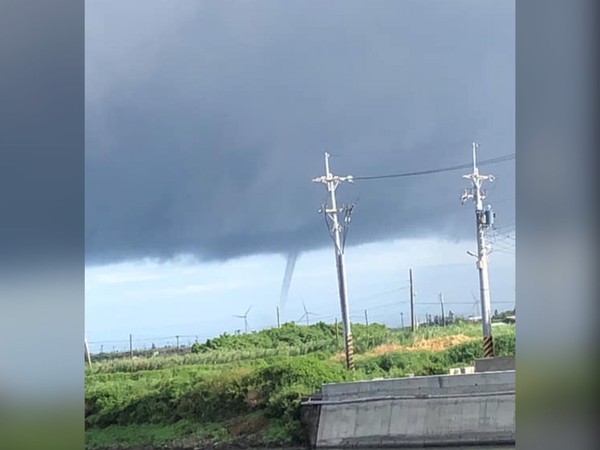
<point>285,403</point>
<point>504,345</point>
<point>464,353</point>
<point>218,397</point>
<point>371,368</point>
<point>280,386</point>
<point>258,374</point>
<point>163,397</point>
<point>307,371</point>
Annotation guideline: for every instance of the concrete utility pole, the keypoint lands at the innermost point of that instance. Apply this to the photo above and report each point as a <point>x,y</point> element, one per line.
<point>336,229</point>
<point>402,319</point>
<point>87,352</point>
<point>130,346</point>
<point>413,317</point>
<point>483,220</point>
<point>442,305</point>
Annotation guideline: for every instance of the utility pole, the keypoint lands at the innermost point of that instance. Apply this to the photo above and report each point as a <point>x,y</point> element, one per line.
<point>336,229</point>
<point>177,337</point>
<point>366,318</point>
<point>278,324</point>
<point>483,220</point>
<point>442,305</point>
<point>130,346</point>
<point>413,318</point>
<point>87,352</point>
<point>402,319</point>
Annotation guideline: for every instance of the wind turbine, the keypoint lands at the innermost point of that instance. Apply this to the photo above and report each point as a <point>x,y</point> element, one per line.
<point>245,317</point>
<point>306,314</point>
<point>476,304</point>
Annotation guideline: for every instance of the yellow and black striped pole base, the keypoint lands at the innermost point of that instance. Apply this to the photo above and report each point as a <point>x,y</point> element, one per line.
<point>488,347</point>
<point>350,353</point>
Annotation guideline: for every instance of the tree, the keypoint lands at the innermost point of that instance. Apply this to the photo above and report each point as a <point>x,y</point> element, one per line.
<point>450,318</point>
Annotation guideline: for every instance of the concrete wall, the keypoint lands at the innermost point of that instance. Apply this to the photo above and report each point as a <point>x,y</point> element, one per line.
<point>309,416</point>
<point>495,364</point>
<point>421,411</point>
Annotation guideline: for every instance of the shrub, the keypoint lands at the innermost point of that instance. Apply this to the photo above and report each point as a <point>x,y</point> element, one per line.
<point>285,403</point>
<point>307,371</point>
<point>218,397</point>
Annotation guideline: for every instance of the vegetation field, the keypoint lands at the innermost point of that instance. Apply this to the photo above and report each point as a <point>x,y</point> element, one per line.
<point>245,390</point>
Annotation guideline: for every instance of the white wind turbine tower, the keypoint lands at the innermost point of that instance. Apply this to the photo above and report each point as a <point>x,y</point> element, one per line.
<point>306,314</point>
<point>245,317</point>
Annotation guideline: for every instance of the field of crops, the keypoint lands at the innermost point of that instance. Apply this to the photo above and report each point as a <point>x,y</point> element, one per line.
<point>246,389</point>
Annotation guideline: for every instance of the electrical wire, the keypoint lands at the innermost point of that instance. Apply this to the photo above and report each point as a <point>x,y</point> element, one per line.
<point>485,162</point>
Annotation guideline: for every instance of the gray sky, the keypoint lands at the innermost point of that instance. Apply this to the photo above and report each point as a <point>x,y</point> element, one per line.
<point>205,121</point>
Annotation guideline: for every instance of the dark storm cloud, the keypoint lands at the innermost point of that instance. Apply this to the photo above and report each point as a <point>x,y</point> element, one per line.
<point>206,121</point>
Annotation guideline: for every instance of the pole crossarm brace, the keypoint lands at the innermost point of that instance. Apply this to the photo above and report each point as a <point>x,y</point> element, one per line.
<point>335,179</point>
<point>332,181</point>
<point>477,179</point>
<point>331,213</point>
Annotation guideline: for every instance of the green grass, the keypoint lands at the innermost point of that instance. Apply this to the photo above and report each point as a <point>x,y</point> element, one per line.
<point>254,400</point>
<point>288,341</point>
<point>132,435</point>
<point>251,430</point>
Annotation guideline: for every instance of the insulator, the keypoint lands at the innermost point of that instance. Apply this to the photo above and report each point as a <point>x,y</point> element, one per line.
<point>489,217</point>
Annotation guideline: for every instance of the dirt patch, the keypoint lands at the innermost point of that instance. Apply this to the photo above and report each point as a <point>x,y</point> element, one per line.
<point>441,343</point>
<point>434,345</point>
<point>339,357</point>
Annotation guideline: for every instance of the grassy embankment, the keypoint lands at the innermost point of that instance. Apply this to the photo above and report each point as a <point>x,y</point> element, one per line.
<point>245,390</point>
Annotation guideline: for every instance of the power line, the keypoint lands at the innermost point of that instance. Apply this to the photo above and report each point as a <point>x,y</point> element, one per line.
<point>382,293</point>
<point>328,314</point>
<point>462,303</point>
<point>496,160</point>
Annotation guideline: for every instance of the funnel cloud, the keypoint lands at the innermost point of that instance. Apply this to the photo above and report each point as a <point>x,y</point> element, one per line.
<point>287,278</point>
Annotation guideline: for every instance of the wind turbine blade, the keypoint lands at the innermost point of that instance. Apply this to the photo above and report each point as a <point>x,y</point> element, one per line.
<point>248,311</point>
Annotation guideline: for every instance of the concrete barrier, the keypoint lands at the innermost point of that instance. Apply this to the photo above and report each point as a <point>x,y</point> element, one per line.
<point>459,370</point>
<point>441,410</point>
<point>496,364</point>
<point>437,384</point>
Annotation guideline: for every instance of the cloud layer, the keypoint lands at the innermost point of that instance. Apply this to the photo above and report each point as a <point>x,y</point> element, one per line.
<point>205,121</point>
